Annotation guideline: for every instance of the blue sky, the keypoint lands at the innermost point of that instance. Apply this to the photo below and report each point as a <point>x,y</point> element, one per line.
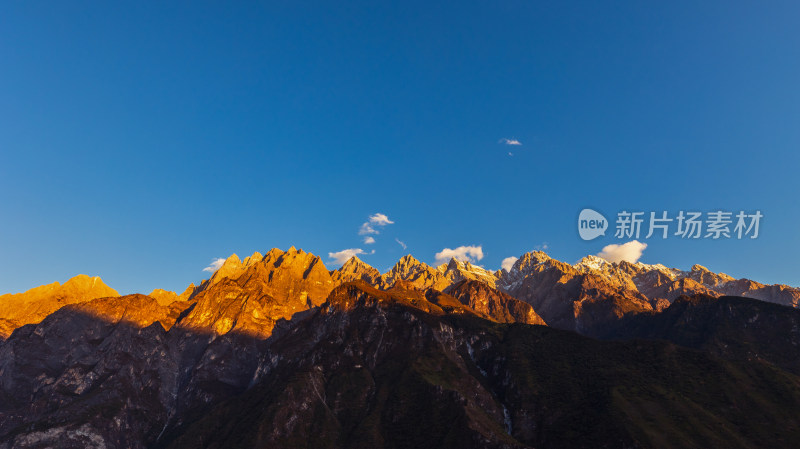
<point>139,141</point>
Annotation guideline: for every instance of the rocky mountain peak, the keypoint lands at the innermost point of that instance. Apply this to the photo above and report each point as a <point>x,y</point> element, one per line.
<point>230,268</point>
<point>420,274</point>
<point>356,265</point>
<point>232,260</point>
<point>421,357</point>
<point>355,269</point>
<point>353,263</point>
<point>407,262</point>
<point>260,293</point>
<point>591,262</point>
<point>453,264</point>
<point>406,266</point>
<point>254,259</point>
<point>295,257</point>
<point>457,270</point>
<point>166,297</point>
<point>188,292</point>
<point>530,259</point>
<point>662,285</point>
<point>35,304</point>
<point>85,282</point>
<point>522,268</point>
<point>163,297</point>
<point>273,254</point>
<point>708,278</point>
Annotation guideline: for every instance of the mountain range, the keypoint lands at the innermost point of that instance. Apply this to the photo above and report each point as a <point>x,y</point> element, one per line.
<point>278,351</point>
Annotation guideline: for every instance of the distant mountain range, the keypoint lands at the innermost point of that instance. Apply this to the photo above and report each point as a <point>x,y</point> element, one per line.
<point>278,351</point>
<point>581,297</point>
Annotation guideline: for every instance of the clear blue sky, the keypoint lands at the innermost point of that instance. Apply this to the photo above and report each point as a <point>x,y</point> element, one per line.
<point>140,140</point>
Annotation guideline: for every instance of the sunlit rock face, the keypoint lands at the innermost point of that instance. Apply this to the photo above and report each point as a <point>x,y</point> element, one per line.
<point>354,270</point>
<point>420,274</point>
<point>35,304</point>
<point>585,297</point>
<point>594,293</point>
<point>407,269</point>
<point>288,275</point>
<point>456,271</point>
<point>571,298</point>
<point>165,297</point>
<point>581,296</point>
<point>251,296</point>
<point>659,282</point>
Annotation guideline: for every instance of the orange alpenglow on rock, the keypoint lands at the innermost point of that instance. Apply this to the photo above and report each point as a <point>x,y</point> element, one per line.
<point>37,303</point>
<point>251,296</point>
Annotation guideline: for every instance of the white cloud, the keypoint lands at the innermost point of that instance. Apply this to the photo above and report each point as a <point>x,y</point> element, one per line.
<point>510,142</point>
<point>630,252</point>
<point>380,219</point>
<point>377,219</point>
<point>367,229</point>
<point>508,262</point>
<point>215,264</point>
<point>369,240</point>
<point>462,253</point>
<point>510,153</point>
<point>344,255</point>
<point>400,243</point>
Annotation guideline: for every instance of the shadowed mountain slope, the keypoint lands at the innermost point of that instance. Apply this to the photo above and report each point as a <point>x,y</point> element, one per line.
<point>371,370</point>
<point>732,327</point>
<point>493,304</point>
<point>267,353</point>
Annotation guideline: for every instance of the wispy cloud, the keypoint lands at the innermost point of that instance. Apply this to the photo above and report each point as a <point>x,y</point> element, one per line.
<point>543,247</point>
<point>369,240</point>
<point>510,141</point>
<point>367,229</point>
<point>215,264</point>
<point>508,263</point>
<point>400,243</point>
<point>344,255</point>
<point>629,252</point>
<point>462,253</point>
<point>378,219</point>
